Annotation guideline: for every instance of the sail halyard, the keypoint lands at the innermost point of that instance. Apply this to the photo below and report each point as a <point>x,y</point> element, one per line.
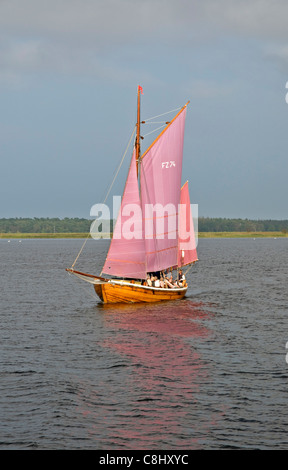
<point>137,141</point>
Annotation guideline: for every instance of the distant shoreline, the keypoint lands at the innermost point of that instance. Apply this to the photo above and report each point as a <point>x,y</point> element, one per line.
<point>19,235</point>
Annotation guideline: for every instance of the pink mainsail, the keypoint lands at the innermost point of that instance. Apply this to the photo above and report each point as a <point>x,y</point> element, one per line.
<point>187,252</point>
<point>161,169</point>
<point>126,256</point>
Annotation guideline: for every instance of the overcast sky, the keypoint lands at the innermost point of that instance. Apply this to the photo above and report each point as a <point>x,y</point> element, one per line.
<point>69,71</point>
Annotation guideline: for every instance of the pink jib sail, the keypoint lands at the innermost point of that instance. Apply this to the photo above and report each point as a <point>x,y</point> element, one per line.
<point>187,252</point>
<point>126,256</point>
<point>161,169</point>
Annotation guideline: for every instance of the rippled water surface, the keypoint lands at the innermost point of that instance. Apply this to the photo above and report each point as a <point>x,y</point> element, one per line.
<point>206,372</point>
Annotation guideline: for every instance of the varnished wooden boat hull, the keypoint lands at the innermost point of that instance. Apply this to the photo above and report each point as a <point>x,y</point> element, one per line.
<point>123,292</point>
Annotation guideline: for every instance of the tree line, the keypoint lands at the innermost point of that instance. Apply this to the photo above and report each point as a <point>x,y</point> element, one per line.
<point>207,224</point>
<point>78,225</point>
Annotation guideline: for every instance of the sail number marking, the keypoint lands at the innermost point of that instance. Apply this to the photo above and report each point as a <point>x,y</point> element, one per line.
<point>168,164</point>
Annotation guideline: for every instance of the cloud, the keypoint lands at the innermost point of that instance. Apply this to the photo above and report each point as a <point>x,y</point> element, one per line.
<point>101,19</point>
<point>79,37</point>
<point>279,55</point>
<point>208,89</point>
<point>110,20</point>
<point>264,19</point>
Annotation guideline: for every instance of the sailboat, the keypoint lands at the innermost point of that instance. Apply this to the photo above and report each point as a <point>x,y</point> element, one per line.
<point>158,240</point>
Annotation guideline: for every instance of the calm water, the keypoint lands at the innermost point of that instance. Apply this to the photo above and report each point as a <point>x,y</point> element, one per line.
<point>207,372</point>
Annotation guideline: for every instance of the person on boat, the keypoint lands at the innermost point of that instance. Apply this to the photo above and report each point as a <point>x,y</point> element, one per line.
<point>156,282</point>
<point>149,282</point>
<point>181,276</point>
<point>162,283</point>
<point>169,282</point>
<point>182,279</point>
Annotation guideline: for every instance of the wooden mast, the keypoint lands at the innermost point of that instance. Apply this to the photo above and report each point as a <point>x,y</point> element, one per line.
<point>137,142</point>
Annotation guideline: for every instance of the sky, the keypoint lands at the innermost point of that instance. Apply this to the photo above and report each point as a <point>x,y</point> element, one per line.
<point>69,72</point>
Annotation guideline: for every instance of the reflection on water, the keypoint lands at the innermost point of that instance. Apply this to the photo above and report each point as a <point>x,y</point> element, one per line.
<point>157,344</point>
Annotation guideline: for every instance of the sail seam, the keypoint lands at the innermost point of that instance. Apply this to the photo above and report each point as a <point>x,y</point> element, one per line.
<point>160,235</point>
<point>125,261</point>
<point>164,249</point>
<point>160,216</point>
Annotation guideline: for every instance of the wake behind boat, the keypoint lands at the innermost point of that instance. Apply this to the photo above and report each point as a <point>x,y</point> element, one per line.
<point>159,235</point>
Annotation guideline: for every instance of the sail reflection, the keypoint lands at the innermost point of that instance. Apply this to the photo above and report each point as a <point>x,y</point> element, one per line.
<point>166,370</point>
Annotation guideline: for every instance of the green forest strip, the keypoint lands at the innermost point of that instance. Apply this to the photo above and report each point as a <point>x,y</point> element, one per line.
<point>79,228</point>
<point>19,235</point>
<point>43,235</point>
<point>242,235</point>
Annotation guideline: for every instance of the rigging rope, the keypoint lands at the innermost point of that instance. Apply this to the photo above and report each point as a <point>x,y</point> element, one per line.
<point>159,115</point>
<point>145,135</point>
<point>159,122</point>
<point>113,181</point>
<point>192,264</point>
<point>90,293</point>
<point>111,185</point>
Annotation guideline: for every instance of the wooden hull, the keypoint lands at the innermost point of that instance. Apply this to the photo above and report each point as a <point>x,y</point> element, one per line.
<point>127,292</point>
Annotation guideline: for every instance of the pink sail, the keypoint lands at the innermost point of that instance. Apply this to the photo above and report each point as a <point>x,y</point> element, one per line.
<point>161,169</point>
<point>187,252</point>
<point>126,256</point>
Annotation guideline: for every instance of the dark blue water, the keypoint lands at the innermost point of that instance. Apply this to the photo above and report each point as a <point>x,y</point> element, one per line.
<point>207,372</point>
